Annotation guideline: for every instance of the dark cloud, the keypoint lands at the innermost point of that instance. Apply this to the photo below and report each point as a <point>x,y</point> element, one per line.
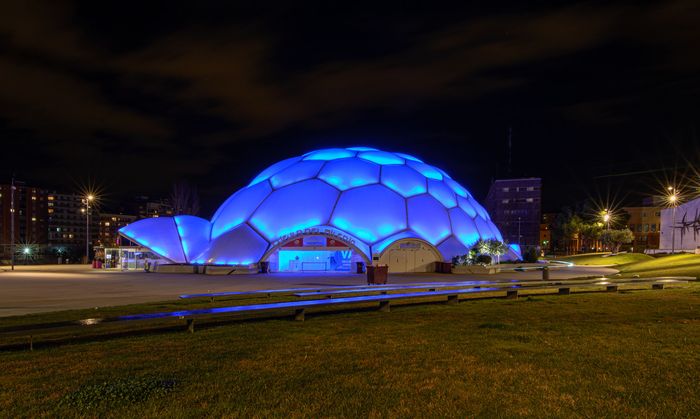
<point>197,91</point>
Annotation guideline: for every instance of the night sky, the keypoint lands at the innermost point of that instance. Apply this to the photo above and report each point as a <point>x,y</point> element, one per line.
<point>132,96</point>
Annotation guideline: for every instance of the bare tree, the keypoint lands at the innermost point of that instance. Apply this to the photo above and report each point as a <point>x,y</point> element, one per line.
<point>184,198</point>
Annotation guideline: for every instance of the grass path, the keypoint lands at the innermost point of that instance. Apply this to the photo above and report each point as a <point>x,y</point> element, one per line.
<point>587,355</point>
<point>603,259</point>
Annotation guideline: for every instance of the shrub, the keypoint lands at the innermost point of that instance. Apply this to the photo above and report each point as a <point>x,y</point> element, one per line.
<point>530,255</point>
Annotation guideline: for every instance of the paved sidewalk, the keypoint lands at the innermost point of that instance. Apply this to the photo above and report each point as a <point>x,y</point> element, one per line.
<point>35,289</point>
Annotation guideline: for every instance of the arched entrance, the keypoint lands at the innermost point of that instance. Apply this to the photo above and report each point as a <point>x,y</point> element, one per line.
<point>316,250</point>
<point>410,255</point>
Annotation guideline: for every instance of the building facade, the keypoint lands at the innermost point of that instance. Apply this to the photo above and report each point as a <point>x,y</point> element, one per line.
<point>67,225</point>
<point>109,228</point>
<point>515,206</point>
<point>30,219</point>
<point>645,223</point>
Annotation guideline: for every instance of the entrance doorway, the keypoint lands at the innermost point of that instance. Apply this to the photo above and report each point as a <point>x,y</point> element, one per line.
<point>410,256</point>
<point>313,254</point>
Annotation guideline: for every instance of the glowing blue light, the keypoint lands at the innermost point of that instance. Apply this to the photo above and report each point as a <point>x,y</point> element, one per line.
<point>451,248</point>
<point>428,218</point>
<point>484,228</point>
<point>381,157</point>
<point>299,205</point>
<point>466,205</point>
<point>265,174</point>
<point>241,243</point>
<point>349,173</point>
<point>442,193</point>
<point>238,208</point>
<point>158,234</point>
<point>480,210</point>
<point>409,157</point>
<point>300,171</point>
<point>194,233</point>
<point>387,214</point>
<point>459,189</point>
<point>383,244</point>
<point>426,170</point>
<point>463,227</point>
<point>404,180</point>
<point>329,154</point>
<point>362,149</point>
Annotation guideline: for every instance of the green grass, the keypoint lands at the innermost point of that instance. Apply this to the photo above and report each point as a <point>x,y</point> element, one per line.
<point>629,354</point>
<point>671,265</point>
<point>599,259</point>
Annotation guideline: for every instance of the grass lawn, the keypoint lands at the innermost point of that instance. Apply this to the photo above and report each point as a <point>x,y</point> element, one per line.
<point>628,354</point>
<point>671,265</point>
<point>599,259</point>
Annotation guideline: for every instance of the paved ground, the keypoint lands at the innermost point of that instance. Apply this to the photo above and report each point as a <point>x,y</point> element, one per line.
<point>34,289</point>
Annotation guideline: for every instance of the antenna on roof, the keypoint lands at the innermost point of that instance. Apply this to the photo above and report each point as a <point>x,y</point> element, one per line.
<point>510,148</point>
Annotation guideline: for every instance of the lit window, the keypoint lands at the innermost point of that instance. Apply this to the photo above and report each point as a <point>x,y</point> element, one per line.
<point>506,189</point>
<point>50,197</point>
<point>505,201</point>
<point>33,198</point>
<point>530,188</point>
<point>33,218</point>
<point>529,200</point>
<point>107,223</point>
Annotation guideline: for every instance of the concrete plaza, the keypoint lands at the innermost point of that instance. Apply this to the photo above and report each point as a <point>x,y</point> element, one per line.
<point>35,289</point>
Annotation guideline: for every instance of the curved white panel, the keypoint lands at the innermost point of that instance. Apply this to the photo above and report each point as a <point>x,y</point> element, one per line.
<point>381,157</point>
<point>295,207</point>
<point>451,248</point>
<point>350,173</point>
<point>158,234</point>
<point>442,193</point>
<point>484,227</point>
<point>329,154</point>
<point>428,217</point>
<point>463,227</point>
<point>265,174</point>
<point>370,212</point>
<point>194,234</point>
<point>459,189</point>
<point>404,180</point>
<point>238,208</point>
<point>240,246</point>
<point>425,169</point>
<point>466,205</point>
<point>295,173</point>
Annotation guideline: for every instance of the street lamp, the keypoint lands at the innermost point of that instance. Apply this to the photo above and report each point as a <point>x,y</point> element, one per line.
<point>26,252</point>
<point>88,198</point>
<point>673,201</point>
<point>606,219</point>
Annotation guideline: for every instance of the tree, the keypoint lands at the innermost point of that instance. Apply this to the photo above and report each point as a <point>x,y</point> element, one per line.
<point>616,238</point>
<point>184,199</point>
<point>496,248</point>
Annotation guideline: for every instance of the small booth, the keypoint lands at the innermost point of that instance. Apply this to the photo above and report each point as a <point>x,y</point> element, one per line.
<point>128,258</point>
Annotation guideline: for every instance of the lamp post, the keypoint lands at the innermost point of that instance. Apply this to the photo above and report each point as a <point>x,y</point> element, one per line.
<point>86,201</point>
<point>606,219</point>
<point>673,200</point>
<point>12,222</point>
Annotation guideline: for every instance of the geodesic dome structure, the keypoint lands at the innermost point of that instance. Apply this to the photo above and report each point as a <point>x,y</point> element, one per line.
<point>367,197</point>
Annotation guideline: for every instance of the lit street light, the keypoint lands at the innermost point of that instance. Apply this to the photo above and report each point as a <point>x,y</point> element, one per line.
<point>673,201</point>
<point>88,198</point>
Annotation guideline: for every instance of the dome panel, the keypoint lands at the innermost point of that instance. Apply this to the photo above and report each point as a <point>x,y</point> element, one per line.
<point>425,169</point>
<point>194,234</point>
<point>404,180</point>
<point>451,248</point>
<point>240,246</point>
<point>409,157</point>
<point>428,217</point>
<point>459,189</point>
<point>484,228</point>
<point>495,231</point>
<point>362,149</point>
<point>381,157</point>
<point>265,174</point>
<point>238,208</point>
<point>329,154</point>
<point>463,227</point>
<point>159,235</point>
<point>295,207</point>
<point>442,193</point>
<point>296,172</point>
<point>349,173</point>
<point>387,215</point>
<point>479,209</point>
<point>466,205</point>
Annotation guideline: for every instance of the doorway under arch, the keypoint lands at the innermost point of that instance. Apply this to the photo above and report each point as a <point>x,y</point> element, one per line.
<point>410,255</point>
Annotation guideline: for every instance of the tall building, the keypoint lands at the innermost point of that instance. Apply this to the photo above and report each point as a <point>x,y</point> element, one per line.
<point>153,208</point>
<point>30,217</point>
<point>645,223</point>
<point>67,223</point>
<point>515,206</point>
<point>110,225</point>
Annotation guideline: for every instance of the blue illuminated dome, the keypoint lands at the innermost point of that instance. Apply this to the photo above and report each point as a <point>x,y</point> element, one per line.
<point>366,197</point>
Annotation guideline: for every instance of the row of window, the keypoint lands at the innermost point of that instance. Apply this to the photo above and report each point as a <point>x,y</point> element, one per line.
<point>645,228</point>
<point>518,189</point>
<point>528,200</point>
